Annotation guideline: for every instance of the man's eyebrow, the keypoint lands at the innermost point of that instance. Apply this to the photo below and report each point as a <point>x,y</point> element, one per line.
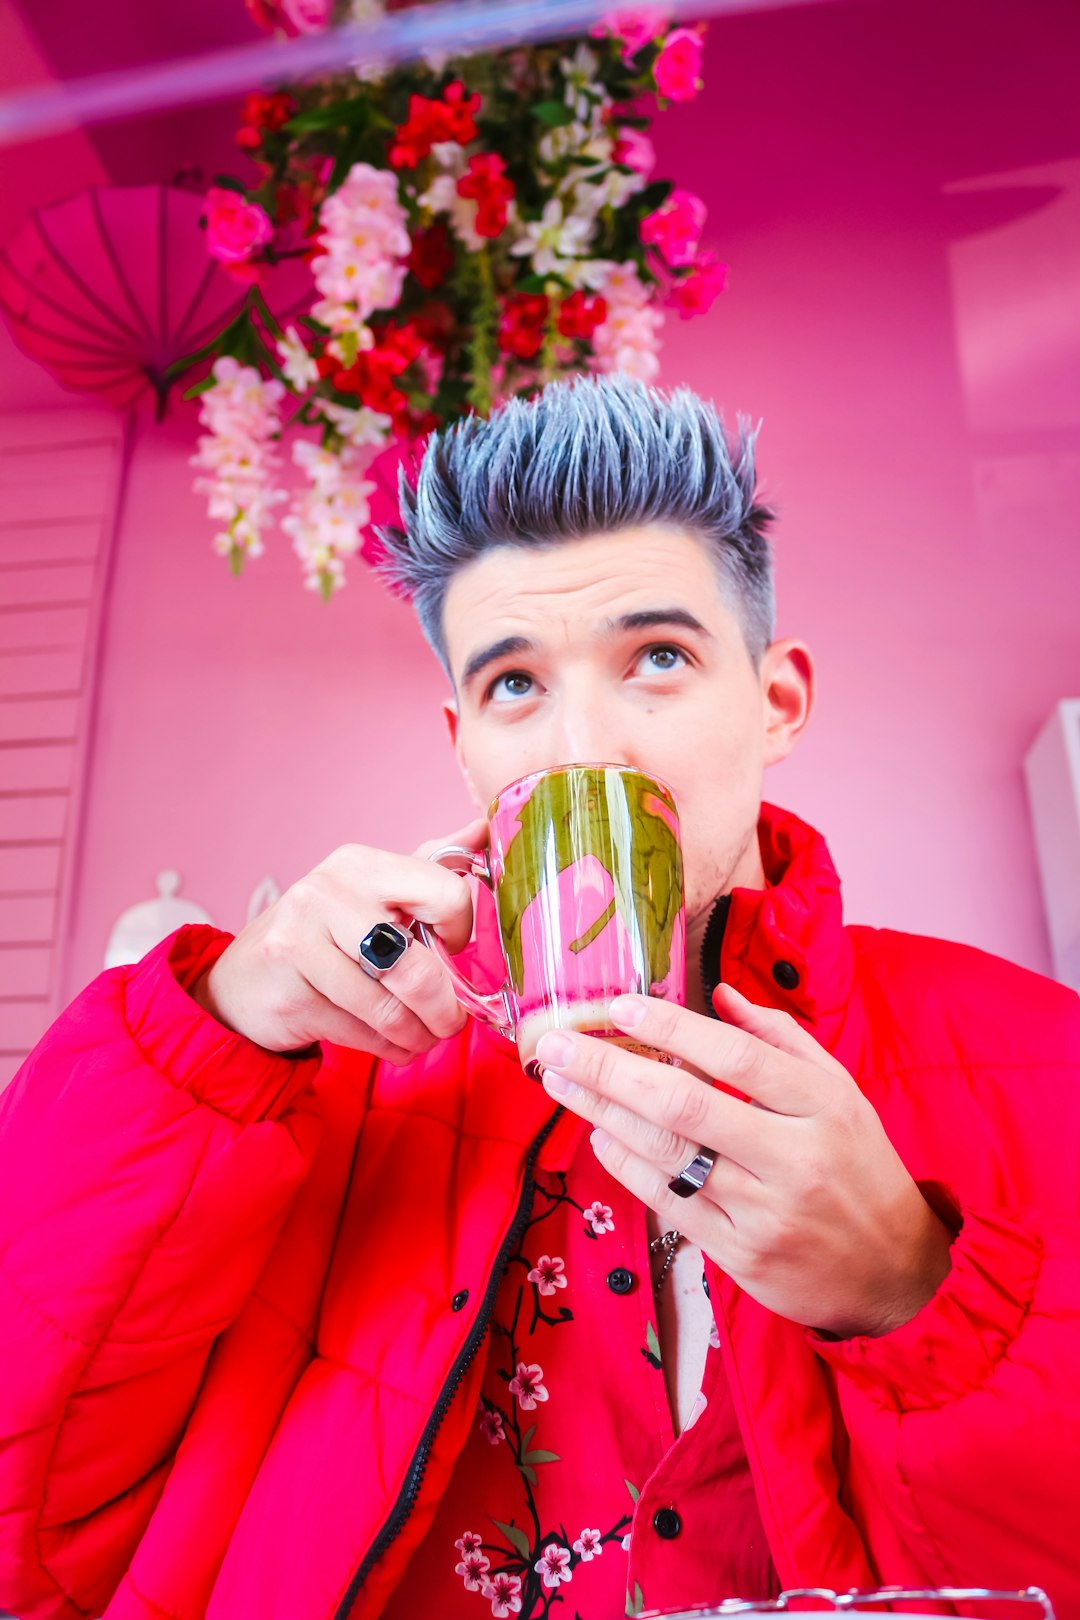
<point>505,648</point>
<point>658,618</point>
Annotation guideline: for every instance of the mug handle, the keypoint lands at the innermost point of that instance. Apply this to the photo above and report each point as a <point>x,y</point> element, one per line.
<point>494,1009</point>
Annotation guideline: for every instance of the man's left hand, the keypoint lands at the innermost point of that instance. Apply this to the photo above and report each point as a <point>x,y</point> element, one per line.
<point>808,1206</point>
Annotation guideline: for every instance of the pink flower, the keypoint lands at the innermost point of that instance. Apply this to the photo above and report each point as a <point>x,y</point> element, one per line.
<point>547,1274</point>
<point>552,1564</point>
<point>589,1545</point>
<point>473,1569</point>
<point>696,293</point>
<point>634,25</point>
<point>635,151</point>
<point>626,1541</point>
<point>674,229</point>
<point>307,16</point>
<point>528,1386</point>
<point>468,1542</point>
<point>677,69</point>
<point>491,1427</point>
<point>599,1218</point>
<point>504,1591</point>
<point>234,227</point>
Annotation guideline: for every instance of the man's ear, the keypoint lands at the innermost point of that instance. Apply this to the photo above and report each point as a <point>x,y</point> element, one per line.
<point>453,726</point>
<point>788,689</point>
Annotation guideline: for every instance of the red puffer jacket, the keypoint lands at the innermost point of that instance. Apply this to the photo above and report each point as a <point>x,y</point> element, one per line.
<point>234,1382</point>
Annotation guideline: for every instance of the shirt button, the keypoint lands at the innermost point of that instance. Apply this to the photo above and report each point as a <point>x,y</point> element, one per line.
<point>620,1281</point>
<point>666,1523</point>
<point>786,975</point>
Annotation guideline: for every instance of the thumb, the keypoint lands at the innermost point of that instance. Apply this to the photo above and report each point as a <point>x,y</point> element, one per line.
<point>474,835</point>
<point>769,1024</point>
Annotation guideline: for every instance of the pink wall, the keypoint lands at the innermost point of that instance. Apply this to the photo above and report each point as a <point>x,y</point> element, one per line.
<point>921,437</point>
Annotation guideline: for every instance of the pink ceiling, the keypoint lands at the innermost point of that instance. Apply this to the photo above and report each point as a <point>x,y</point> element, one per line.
<point>876,106</point>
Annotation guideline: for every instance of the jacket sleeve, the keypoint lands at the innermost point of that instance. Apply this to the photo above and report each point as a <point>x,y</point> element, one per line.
<point>965,1422</point>
<point>149,1158</point>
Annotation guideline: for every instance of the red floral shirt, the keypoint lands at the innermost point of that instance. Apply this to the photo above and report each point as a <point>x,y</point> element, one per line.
<point>573,1488</point>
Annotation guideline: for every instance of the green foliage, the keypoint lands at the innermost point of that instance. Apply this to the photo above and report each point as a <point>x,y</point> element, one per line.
<point>517,1538</point>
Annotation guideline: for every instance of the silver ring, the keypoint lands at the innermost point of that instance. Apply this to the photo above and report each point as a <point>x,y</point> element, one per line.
<point>691,1178</point>
<point>381,948</point>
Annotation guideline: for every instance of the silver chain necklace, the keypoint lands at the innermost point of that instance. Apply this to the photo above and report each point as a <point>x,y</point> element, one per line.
<point>665,1244</point>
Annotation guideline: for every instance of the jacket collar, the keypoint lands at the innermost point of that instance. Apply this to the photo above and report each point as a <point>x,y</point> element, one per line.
<point>784,945</point>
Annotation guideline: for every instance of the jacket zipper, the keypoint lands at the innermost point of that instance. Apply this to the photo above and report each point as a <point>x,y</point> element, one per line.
<point>410,1490</point>
<point>711,941</point>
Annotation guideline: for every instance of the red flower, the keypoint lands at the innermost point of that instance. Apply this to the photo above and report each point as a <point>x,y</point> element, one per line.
<point>521,326</point>
<point>581,314</point>
<point>459,114</point>
<point>431,258</point>
<point>418,134</point>
<point>430,122</point>
<point>371,377</point>
<point>485,181</point>
<point>434,322</point>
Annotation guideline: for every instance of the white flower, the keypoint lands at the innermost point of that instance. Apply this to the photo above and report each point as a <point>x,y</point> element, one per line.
<point>552,1564</point>
<point>300,370</point>
<point>357,427</point>
<point>325,520</point>
<point>241,412</point>
<point>579,139</point>
<point>553,238</point>
<point>582,89</point>
<point>441,197</point>
<point>364,236</point>
<point>588,1545</point>
<point>590,273</point>
<point>628,340</point>
<point>592,189</point>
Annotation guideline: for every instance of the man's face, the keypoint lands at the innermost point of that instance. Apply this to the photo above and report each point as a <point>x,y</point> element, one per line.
<point>620,648</point>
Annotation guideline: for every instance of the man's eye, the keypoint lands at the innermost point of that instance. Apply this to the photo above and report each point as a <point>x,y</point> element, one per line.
<point>513,684</point>
<point>663,658</point>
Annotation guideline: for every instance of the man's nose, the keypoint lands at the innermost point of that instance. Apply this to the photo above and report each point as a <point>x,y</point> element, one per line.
<point>588,732</point>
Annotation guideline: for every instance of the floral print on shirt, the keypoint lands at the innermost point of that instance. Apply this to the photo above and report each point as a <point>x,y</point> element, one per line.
<point>528,1563</point>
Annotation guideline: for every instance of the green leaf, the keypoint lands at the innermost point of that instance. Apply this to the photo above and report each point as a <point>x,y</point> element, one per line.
<point>228,182</point>
<point>552,113</point>
<point>540,1456</point>
<point>531,284</point>
<point>635,1604</point>
<point>634,1492</point>
<point>199,388</point>
<point>653,196</point>
<point>517,1538</point>
<point>527,1473</point>
<point>527,1436</point>
<point>335,115</point>
<point>652,1341</point>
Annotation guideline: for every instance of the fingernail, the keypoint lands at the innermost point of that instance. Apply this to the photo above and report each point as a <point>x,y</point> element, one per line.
<point>556,1083</point>
<point>629,1011</point>
<point>554,1048</point>
<point>599,1140</point>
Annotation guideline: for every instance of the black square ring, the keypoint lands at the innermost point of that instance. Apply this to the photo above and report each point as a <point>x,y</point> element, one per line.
<point>382,947</point>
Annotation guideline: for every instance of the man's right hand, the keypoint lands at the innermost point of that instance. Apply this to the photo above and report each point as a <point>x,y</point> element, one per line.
<point>292,976</point>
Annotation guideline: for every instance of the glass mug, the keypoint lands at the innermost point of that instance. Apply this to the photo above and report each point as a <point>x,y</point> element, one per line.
<point>585,865</point>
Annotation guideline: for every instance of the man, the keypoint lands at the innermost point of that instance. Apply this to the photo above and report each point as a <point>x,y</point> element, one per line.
<point>314,1306</point>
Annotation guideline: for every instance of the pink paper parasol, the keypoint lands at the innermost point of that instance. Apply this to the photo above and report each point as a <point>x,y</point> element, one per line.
<point>108,288</point>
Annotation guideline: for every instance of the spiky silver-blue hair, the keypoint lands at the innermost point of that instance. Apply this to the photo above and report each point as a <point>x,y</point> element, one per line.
<point>587,456</point>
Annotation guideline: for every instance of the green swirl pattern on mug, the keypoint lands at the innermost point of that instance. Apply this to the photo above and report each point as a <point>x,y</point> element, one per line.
<point>643,859</point>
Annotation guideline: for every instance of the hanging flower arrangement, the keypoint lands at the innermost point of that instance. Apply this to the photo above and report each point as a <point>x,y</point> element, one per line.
<point>474,227</point>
